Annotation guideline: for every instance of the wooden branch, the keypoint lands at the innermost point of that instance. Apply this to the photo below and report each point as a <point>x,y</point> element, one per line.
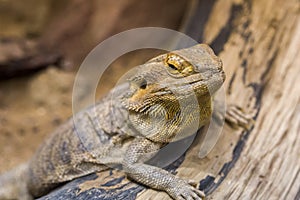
<point>21,57</point>
<point>27,65</point>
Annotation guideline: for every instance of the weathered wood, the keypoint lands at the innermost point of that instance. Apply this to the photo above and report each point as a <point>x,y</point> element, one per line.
<point>28,65</point>
<point>258,42</point>
<point>20,57</point>
<point>261,58</point>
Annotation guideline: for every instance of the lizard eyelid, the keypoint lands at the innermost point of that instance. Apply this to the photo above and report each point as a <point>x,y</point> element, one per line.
<point>138,82</point>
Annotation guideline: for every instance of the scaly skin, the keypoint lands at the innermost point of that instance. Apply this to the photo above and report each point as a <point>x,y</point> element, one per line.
<point>166,96</point>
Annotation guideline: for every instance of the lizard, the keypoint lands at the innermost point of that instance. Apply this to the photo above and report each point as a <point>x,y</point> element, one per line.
<point>127,127</point>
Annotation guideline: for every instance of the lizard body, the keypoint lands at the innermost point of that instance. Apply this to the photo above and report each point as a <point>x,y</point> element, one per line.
<point>127,127</point>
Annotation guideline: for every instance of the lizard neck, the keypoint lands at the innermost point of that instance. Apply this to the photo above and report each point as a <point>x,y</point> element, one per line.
<point>170,122</point>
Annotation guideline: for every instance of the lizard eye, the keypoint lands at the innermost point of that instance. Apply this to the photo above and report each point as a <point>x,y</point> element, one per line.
<point>173,67</point>
<point>176,65</point>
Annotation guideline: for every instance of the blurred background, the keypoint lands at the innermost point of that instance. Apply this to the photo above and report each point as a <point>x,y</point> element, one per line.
<point>42,44</point>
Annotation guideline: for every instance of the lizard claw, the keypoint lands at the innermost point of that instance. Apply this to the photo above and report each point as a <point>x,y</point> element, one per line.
<point>235,116</point>
<point>192,183</point>
<point>185,191</point>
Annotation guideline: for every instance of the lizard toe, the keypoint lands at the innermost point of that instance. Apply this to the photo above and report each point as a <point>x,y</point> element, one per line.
<point>236,116</point>
<point>184,190</point>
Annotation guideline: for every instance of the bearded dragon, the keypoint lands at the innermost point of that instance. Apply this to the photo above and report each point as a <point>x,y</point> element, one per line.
<point>137,118</point>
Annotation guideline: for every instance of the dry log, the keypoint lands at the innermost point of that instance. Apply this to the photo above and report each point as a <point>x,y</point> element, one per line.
<point>20,57</point>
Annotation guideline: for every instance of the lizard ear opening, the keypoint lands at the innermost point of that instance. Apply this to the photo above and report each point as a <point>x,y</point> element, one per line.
<point>138,83</point>
<point>143,84</point>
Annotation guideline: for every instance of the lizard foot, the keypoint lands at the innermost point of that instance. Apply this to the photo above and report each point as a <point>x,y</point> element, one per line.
<point>235,116</point>
<point>185,191</point>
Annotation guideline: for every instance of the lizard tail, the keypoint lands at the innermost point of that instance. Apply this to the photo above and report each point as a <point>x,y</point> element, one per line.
<point>13,184</point>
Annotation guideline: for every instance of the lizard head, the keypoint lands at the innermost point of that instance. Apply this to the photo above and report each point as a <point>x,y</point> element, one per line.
<point>166,85</point>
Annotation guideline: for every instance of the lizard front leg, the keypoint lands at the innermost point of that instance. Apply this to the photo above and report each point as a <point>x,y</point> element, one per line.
<point>138,152</point>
